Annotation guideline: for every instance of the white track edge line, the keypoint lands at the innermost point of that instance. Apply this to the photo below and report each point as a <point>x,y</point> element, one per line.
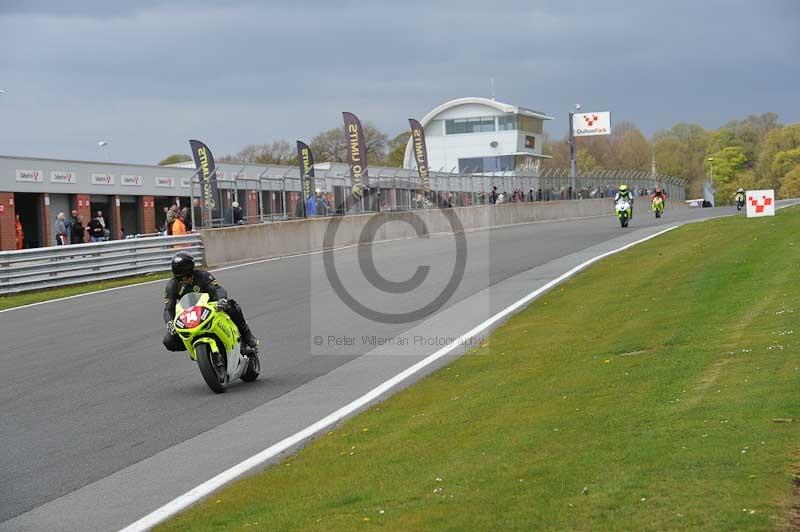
<point>211,485</point>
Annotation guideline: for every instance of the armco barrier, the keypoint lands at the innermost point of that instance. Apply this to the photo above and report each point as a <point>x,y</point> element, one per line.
<point>261,241</point>
<point>31,269</point>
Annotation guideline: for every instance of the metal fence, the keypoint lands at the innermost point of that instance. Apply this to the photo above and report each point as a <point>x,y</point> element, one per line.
<point>31,269</point>
<point>273,193</point>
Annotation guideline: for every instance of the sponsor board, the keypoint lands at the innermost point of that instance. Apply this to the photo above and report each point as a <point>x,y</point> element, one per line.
<point>420,154</point>
<point>102,179</point>
<point>166,182</point>
<point>186,182</point>
<point>587,124</point>
<point>30,176</point>
<point>130,180</point>
<point>57,176</point>
<point>760,203</point>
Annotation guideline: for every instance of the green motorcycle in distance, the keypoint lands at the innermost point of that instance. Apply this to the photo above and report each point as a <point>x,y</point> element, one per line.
<point>213,341</point>
<point>658,206</point>
<point>624,210</point>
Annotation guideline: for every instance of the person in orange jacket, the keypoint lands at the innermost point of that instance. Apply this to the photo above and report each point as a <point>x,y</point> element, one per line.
<point>178,227</point>
<point>20,233</point>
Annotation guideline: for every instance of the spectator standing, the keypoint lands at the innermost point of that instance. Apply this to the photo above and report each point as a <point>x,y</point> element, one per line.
<point>96,230</point>
<point>178,227</point>
<point>198,213</point>
<point>493,196</point>
<point>19,232</point>
<point>162,224</point>
<point>68,224</point>
<point>76,229</point>
<point>61,230</point>
<point>238,214</point>
<point>106,230</point>
<point>323,206</point>
<point>186,216</point>
<point>172,214</point>
<point>311,205</point>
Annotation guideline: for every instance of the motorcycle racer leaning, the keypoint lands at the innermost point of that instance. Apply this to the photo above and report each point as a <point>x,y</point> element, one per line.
<point>624,193</point>
<point>187,279</point>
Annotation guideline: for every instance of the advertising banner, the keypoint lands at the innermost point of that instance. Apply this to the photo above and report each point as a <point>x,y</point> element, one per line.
<point>68,178</point>
<point>30,176</point>
<point>129,180</point>
<point>166,182</point>
<point>102,179</point>
<point>356,154</point>
<point>306,161</point>
<point>588,124</point>
<point>420,154</point>
<point>760,203</point>
<point>204,162</point>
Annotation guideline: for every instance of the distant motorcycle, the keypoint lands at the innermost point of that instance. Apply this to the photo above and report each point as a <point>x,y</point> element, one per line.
<point>658,206</point>
<point>624,211</point>
<point>213,341</point>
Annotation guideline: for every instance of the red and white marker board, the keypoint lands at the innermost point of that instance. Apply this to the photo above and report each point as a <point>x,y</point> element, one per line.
<point>760,203</point>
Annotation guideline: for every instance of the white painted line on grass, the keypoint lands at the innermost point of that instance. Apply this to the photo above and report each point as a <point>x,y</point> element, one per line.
<point>209,486</point>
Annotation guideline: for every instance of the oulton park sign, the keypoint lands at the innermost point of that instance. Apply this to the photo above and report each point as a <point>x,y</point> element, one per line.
<point>587,124</point>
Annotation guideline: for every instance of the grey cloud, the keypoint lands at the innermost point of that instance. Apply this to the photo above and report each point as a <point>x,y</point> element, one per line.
<point>156,73</point>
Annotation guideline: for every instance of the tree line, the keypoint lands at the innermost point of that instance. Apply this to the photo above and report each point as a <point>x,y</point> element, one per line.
<point>755,152</point>
<point>327,146</point>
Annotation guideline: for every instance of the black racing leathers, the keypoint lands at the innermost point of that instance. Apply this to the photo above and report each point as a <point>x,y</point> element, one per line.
<point>201,282</point>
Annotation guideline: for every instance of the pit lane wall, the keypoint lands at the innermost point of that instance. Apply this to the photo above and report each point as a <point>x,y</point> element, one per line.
<point>268,240</point>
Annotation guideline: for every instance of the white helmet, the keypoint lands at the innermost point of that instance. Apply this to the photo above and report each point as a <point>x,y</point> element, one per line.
<point>235,204</point>
<point>318,191</point>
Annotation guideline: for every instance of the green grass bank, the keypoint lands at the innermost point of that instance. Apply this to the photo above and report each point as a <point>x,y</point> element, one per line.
<point>651,392</point>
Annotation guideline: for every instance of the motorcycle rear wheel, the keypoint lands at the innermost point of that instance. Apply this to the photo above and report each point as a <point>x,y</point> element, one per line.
<point>213,375</point>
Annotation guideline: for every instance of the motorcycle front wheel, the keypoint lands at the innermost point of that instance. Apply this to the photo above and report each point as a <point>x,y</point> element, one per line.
<point>213,374</point>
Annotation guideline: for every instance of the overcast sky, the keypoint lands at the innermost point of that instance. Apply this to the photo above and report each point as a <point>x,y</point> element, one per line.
<point>149,74</point>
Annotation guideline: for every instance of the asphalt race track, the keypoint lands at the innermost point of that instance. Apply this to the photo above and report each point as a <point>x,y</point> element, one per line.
<point>95,416</point>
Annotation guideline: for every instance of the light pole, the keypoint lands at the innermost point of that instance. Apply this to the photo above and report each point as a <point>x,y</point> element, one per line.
<point>103,145</point>
<point>572,150</point>
<point>711,168</point>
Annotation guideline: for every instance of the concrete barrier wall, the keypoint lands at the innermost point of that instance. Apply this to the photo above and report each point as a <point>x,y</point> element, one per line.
<point>260,241</point>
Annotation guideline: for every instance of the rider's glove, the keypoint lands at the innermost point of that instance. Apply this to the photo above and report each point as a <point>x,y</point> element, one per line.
<point>171,327</point>
<point>222,305</point>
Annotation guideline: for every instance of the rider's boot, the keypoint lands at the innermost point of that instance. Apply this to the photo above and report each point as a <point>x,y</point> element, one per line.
<point>247,337</point>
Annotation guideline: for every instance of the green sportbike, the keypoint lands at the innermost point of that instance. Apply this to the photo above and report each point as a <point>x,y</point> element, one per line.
<point>624,210</point>
<point>658,206</point>
<point>213,341</point>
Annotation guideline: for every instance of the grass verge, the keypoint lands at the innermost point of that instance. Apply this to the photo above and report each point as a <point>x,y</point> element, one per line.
<point>652,391</point>
<point>37,296</point>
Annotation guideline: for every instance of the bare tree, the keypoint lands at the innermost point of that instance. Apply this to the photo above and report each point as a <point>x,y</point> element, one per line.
<point>276,152</point>
<point>331,145</point>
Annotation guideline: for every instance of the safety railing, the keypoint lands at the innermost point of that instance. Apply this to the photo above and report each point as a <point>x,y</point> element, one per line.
<point>32,269</point>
